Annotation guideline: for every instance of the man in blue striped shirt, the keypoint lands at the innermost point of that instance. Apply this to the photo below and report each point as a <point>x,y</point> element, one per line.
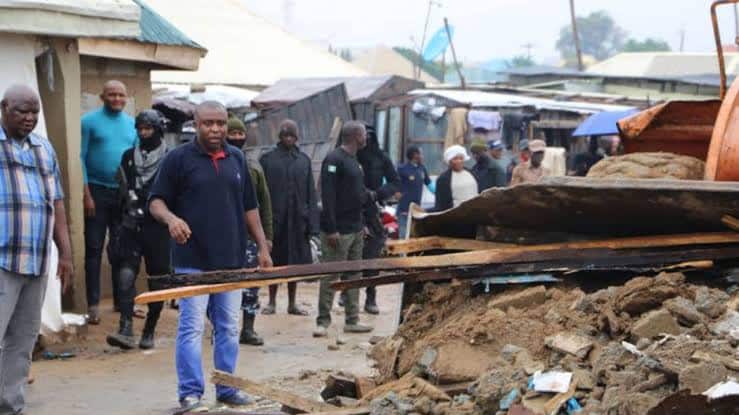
<point>31,212</point>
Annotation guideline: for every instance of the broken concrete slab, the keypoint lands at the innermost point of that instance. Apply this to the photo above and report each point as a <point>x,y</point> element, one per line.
<point>711,302</point>
<point>584,378</point>
<point>685,311</point>
<point>642,294</point>
<point>727,325</point>
<point>573,344</point>
<point>655,323</point>
<point>699,377</point>
<point>522,299</point>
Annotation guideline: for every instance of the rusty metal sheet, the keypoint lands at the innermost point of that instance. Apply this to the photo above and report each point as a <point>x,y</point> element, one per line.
<point>680,127</point>
<point>683,403</point>
<point>594,207</point>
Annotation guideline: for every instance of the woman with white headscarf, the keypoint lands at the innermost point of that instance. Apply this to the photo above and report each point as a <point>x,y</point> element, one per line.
<point>457,184</point>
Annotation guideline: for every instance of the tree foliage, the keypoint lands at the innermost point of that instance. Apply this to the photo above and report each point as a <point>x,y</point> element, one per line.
<point>647,45</point>
<point>521,61</point>
<point>599,34</point>
<point>432,68</point>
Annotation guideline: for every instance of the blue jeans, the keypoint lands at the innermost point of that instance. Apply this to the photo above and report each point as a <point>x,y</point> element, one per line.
<point>223,312</point>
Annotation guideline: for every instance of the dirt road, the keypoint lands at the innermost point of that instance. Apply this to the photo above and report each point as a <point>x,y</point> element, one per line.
<point>103,380</point>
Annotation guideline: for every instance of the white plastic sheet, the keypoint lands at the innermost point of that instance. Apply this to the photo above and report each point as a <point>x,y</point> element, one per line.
<point>51,312</point>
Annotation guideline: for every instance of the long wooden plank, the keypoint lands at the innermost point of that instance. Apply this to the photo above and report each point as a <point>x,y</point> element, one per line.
<point>448,260</point>
<point>191,291</point>
<point>731,222</point>
<point>414,245</point>
<point>585,259</point>
<point>273,394</point>
<point>470,259</point>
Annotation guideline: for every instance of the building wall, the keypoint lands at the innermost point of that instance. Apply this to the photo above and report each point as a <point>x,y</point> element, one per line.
<point>96,71</point>
<point>60,97</point>
<point>136,76</point>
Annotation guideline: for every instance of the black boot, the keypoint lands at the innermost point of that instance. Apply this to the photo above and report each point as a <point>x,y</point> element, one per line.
<point>370,305</point>
<point>248,335</point>
<point>124,338</point>
<point>147,336</point>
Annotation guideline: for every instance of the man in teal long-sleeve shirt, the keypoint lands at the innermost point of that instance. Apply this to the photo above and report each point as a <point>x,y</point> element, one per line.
<point>106,133</point>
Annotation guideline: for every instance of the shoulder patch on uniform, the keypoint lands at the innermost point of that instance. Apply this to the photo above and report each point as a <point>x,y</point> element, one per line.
<point>331,168</point>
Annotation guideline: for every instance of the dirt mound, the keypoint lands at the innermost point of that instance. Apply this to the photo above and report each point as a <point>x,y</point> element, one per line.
<point>627,347</point>
<point>649,166</point>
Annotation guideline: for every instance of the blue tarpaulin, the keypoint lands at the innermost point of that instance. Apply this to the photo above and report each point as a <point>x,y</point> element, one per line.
<point>602,123</point>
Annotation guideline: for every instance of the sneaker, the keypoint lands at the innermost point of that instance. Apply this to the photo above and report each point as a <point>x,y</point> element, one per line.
<point>191,404</point>
<point>237,399</point>
<point>320,331</point>
<point>357,328</point>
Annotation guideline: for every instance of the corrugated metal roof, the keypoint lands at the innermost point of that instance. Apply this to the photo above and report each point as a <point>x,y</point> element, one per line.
<point>481,99</point>
<point>664,64</point>
<point>540,70</point>
<point>357,87</point>
<point>156,29</point>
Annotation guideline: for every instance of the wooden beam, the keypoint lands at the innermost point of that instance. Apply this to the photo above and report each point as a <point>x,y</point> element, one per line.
<point>558,261</point>
<point>467,259</point>
<point>174,57</point>
<point>428,243</point>
<point>273,394</point>
<point>731,222</point>
<point>191,291</point>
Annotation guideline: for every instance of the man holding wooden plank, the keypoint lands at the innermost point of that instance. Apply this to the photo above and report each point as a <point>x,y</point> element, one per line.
<point>204,195</point>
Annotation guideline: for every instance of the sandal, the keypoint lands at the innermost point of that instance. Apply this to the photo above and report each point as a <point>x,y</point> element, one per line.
<point>295,311</point>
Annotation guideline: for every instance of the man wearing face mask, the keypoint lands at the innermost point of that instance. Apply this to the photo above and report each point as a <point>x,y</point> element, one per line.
<point>532,171</point>
<point>250,296</point>
<point>139,235</point>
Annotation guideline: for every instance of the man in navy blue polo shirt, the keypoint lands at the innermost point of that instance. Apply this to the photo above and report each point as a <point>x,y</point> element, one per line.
<point>413,176</point>
<point>204,195</point>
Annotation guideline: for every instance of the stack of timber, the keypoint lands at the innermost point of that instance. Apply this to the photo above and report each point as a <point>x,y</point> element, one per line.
<point>634,225</point>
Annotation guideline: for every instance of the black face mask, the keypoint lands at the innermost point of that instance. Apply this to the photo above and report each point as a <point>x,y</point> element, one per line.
<point>152,142</point>
<point>236,143</point>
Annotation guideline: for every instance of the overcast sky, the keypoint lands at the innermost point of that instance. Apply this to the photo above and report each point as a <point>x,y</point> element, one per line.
<point>487,29</point>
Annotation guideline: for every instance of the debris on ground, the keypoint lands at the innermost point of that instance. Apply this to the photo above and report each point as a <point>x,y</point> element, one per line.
<point>649,166</point>
<point>547,350</point>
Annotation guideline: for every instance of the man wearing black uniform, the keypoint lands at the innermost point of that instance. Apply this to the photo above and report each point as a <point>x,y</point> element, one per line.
<point>380,177</point>
<point>139,234</point>
<point>342,236</point>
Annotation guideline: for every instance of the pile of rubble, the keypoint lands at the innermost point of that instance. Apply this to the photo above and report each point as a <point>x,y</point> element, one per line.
<point>621,350</point>
<point>649,166</point>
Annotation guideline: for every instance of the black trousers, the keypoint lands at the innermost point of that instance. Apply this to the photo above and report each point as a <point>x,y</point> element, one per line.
<point>151,242</point>
<point>373,245</point>
<point>107,216</point>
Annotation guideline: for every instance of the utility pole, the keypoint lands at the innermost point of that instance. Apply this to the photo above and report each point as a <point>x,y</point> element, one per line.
<point>423,38</point>
<point>682,39</point>
<point>454,54</point>
<point>528,47</point>
<point>576,37</point>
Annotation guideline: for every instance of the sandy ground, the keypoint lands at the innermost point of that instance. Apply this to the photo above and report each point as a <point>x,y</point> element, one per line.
<point>104,380</point>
